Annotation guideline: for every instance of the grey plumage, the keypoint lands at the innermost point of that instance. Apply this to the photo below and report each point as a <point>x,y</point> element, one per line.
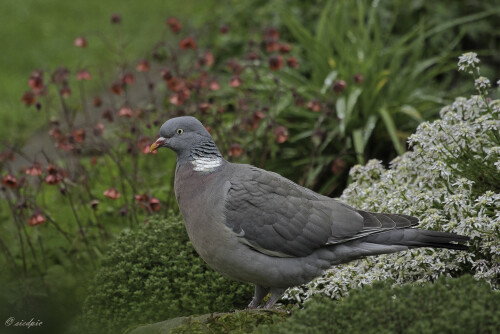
<point>256,226</point>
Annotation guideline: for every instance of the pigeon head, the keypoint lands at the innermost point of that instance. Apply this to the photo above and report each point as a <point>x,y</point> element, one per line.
<point>187,137</point>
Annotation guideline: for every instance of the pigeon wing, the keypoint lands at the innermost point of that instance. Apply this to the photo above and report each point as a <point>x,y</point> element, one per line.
<point>277,217</point>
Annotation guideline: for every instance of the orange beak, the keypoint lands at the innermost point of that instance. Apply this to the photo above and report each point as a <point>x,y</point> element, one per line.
<point>159,142</point>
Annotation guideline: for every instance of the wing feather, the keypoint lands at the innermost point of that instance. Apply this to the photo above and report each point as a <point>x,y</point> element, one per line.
<point>280,218</point>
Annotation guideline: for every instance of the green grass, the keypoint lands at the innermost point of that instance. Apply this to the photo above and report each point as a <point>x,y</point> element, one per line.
<point>39,35</point>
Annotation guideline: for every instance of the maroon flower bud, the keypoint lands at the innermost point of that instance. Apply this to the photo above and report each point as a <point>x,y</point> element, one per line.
<point>224,29</point>
<point>116,18</point>
<point>292,62</point>
<point>143,66</point>
<point>339,86</point>
<point>187,43</point>
<point>80,42</point>
<point>235,81</point>
<point>358,78</point>
<point>275,62</point>
<point>281,134</point>
<point>10,181</point>
<point>94,204</point>
<point>235,150</point>
<point>96,101</point>
<point>174,24</point>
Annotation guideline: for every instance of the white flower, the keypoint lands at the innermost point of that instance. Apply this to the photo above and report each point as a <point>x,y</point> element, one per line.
<point>482,83</point>
<point>467,60</point>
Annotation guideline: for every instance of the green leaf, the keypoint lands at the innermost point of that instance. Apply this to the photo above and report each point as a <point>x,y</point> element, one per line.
<point>391,128</point>
<point>329,81</point>
<point>412,112</point>
<point>359,145</point>
<point>341,108</point>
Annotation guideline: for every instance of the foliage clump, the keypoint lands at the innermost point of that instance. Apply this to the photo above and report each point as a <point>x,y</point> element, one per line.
<point>235,323</point>
<point>450,181</point>
<point>450,305</point>
<point>153,274</point>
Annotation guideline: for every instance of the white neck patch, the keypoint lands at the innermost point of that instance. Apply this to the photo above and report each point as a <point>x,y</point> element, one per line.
<point>206,164</point>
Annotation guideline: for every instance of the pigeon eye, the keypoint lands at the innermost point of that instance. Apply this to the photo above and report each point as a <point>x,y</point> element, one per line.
<point>179,131</point>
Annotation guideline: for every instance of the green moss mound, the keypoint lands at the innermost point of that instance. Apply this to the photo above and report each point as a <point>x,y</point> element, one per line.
<point>461,305</point>
<point>235,323</point>
<point>152,274</point>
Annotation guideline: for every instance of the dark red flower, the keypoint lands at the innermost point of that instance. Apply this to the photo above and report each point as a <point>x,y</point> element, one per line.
<point>54,175</point>
<point>10,181</point>
<point>314,105</point>
<point>235,81</point>
<point>358,78</point>
<point>207,59</point>
<point>292,62</point>
<point>64,144</point>
<point>142,66</point>
<point>150,204</point>
<point>224,29</point>
<point>83,75</point>
<point>28,98</point>
<point>166,74</point>
<point>112,193</point>
<point>234,66</point>
<point>175,84</point>
<point>98,129</point>
<point>35,169</point>
<point>257,116</point>
<point>339,86</point>
<point>36,81</point>
<point>96,101</point>
<point>272,33</point>
<point>125,112</point>
<point>37,219</point>
<point>338,166</point>
<point>252,56</point>
<point>116,18</point>
<point>127,79</point>
<point>281,134</point>
<point>180,97</point>
<point>235,150</point>
<point>214,85</point>
<point>107,115</point>
<point>285,48</point>
<point>117,88</point>
<point>174,24</point>
<point>55,132</point>
<point>78,135</point>
<point>204,107</point>
<point>272,45</point>
<point>154,204</point>
<point>65,92</point>
<point>94,204</point>
<point>60,75</point>
<point>145,144</point>
<point>275,62</point>
<point>187,43</point>
<point>80,42</point>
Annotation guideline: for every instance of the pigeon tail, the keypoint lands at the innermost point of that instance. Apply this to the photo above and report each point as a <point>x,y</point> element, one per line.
<point>414,238</point>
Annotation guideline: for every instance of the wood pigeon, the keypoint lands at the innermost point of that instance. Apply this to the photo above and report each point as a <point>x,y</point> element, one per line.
<point>252,225</point>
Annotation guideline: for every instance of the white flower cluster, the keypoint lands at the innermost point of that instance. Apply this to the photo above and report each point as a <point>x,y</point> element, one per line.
<point>482,83</point>
<point>468,61</point>
<point>451,181</point>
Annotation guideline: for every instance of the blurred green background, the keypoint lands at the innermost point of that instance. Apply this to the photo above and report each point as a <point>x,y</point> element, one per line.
<point>40,34</point>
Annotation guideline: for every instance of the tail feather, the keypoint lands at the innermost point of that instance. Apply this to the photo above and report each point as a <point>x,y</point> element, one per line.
<point>414,238</point>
